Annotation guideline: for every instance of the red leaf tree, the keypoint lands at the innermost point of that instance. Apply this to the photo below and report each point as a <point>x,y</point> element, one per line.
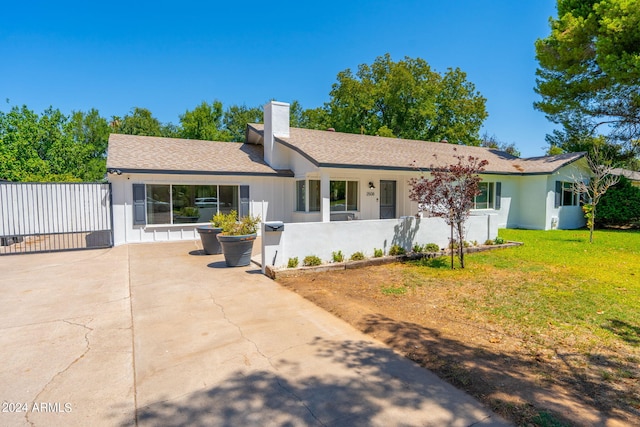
<point>449,193</point>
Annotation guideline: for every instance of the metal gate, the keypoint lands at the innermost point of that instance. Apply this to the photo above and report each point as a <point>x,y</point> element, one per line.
<point>44,217</point>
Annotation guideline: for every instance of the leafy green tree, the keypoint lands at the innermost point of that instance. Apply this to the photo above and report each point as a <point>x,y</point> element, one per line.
<point>52,146</point>
<point>90,131</point>
<point>19,157</point>
<point>139,121</point>
<point>493,142</point>
<point>315,118</point>
<point>589,75</point>
<point>620,205</point>
<point>237,117</point>
<point>407,99</point>
<point>204,122</point>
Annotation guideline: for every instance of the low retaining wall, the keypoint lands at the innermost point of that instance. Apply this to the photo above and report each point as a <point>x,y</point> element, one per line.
<point>322,238</point>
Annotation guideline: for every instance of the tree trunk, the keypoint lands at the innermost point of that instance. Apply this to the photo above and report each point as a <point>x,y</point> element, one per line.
<point>451,248</point>
<point>461,244</point>
<point>592,224</point>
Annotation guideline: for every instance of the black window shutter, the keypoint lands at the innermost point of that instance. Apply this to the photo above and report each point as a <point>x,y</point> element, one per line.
<point>139,204</point>
<point>558,194</point>
<point>498,194</point>
<point>244,201</point>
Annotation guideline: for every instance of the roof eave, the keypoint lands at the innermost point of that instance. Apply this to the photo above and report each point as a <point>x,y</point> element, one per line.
<point>275,173</point>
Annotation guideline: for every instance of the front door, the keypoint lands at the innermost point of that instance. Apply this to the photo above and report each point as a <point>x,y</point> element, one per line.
<point>387,199</point>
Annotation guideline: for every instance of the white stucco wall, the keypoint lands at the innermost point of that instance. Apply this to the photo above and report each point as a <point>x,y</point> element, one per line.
<point>568,217</point>
<point>321,239</point>
<point>270,197</point>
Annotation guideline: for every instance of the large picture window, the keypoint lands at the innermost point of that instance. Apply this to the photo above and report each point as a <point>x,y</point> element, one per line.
<point>180,204</point>
<point>343,196</point>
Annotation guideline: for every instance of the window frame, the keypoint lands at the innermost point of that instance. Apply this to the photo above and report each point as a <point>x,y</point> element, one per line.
<point>236,196</point>
<point>347,198</point>
<point>491,196</point>
<point>565,189</point>
<point>310,193</point>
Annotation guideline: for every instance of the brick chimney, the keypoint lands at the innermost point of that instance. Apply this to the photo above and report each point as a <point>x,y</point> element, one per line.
<point>276,124</point>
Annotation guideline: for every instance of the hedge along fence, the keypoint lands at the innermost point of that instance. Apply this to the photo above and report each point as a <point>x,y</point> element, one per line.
<point>323,238</point>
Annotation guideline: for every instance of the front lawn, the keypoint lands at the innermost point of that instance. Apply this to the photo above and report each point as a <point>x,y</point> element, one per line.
<point>547,333</point>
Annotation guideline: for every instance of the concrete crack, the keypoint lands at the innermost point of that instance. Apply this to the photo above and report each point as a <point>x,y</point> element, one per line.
<point>268,359</point>
<point>86,350</point>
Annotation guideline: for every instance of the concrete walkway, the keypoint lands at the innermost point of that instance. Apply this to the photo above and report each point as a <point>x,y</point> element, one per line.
<point>158,334</point>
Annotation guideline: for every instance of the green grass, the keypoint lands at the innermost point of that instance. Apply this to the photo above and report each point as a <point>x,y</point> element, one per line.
<point>557,280</point>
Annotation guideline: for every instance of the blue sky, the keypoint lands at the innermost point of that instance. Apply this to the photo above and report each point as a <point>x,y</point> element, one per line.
<point>170,56</point>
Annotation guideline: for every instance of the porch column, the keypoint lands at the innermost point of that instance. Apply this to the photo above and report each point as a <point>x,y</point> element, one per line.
<point>325,194</point>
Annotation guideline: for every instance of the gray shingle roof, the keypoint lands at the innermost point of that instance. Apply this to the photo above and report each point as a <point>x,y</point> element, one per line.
<point>629,174</point>
<point>133,153</point>
<point>344,150</point>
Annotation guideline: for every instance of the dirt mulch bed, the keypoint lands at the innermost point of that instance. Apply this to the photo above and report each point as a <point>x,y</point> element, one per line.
<point>514,376</point>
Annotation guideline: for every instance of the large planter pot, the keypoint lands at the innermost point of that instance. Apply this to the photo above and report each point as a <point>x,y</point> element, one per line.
<point>237,249</point>
<point>209,242</point>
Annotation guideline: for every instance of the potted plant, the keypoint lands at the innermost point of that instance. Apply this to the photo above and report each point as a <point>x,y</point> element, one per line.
<point>209,232</point>
<point>237,238</point>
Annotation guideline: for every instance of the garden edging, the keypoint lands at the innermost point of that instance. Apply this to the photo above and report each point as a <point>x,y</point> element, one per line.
<point>275,273</point>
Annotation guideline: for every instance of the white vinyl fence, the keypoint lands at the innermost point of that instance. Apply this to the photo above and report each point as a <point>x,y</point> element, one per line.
<point>321,239</point>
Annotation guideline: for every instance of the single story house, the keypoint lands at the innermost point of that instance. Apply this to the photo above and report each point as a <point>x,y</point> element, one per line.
<point>300,175</point>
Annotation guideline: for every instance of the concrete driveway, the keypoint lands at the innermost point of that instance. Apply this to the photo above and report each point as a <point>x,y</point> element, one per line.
<point>158,334</point>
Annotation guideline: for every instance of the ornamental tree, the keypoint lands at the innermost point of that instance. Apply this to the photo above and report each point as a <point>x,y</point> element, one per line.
<point>594,188</point>
<point>449,193</point>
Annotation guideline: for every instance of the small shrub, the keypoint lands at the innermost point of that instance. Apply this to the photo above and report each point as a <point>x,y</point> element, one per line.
<point>377,253</point>
<point>311,260</point>
<point>475,243</point>
<point>431,247</point>
<point>396,250</point>
<point>357,256</point>
<point>488,242</point>
<point>417,248</point>
<point>337,256</point>
<point>454,244</point>
<point>293,262</point>
<point>498,240</point>
<point>392,290</point>
<point>466,244</point>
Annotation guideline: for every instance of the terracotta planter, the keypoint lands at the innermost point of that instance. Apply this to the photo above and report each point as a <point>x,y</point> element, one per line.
<point>237,249</point>
<point>208,237</point>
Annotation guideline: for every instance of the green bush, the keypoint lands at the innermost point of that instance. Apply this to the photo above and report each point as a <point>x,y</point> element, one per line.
<point>498,240</point>
<point>377,253</point>
<point>431,247</point>
<point>231,226</point>
<point>337,256</point>
<point>293,262</point>
<point>311,260</point>
<point>396,250</point>
<point>620,205</point>
<point>417,248</point>
<point>357,256</point>
<point>489,242</point>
